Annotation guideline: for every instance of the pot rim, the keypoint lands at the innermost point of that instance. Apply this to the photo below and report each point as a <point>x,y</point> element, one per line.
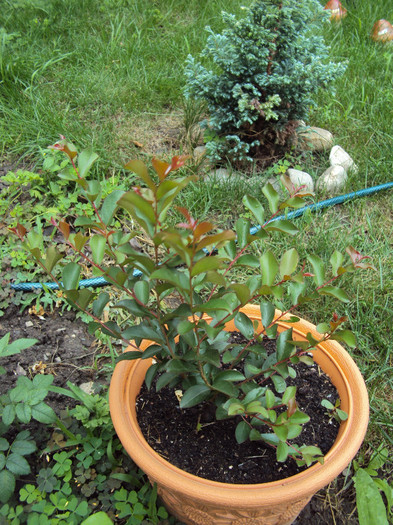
<point>129,375</point>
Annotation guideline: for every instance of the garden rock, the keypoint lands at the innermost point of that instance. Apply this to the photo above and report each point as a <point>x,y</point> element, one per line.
<point>199,153</point>
<point>315,139</point>
<point>301,178</point>
<point>332,180</point>
<point>222,176</point>
<point>339,157</point>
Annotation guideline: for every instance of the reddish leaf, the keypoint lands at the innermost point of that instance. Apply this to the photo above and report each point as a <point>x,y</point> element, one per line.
<point>161,168</point>
<point>178,161</point>
<point>64,227</point>
<point>357,257</point>
<point>19,230</point>
<point>67,147</point>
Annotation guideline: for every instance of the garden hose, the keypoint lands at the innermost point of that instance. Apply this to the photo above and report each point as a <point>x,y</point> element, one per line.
<point>96,282</point>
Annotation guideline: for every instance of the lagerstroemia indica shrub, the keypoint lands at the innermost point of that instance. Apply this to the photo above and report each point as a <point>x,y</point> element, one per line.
<point>263,72</point>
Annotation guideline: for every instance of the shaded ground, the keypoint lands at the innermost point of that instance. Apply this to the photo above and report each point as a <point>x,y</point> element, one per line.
<point>66,349</point>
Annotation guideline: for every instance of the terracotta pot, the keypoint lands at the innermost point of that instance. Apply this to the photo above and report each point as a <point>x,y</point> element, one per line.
<point>198,501</point>
<point>382,31</point>
<point>337,10</point>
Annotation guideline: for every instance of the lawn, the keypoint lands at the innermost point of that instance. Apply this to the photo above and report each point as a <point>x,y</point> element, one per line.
<point>109,75</point>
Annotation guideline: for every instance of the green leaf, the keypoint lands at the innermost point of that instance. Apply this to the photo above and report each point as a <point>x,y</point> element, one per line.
<point>281,432</point>
<point>23,447</point>
<point>226,387</point>
<point>206,264</point>
<point>7,485</point>
<point>345,336</point>
<point>100,303</point>
<point>165,379</point>
<point>235,409</point>
<point>16,346</point>
<point>52,257</point>
<point>194,395</point>
<point>289,393</point>
<point>213,305</point>
<point>230,375</point>
<point>242,432</point>
<point>142,291</point>
<point>92,190</point>
<point>71,275</point>
<point>97,245</point>
<point>109,206</point>
<point>269,268</point>
<point>140,168</point>
<point>282,452</point>
<point>289,262</point>
<point>175,277</point>
<point>267,313</point>
<point>17,464</point>
<point>242,292</point>
<point>129,356</point>
<point>99,518</point>
<point>85,160</point>
<point>248,260</point>
<point>319,269</point>
<point>143,331</point>
<point>283,346</point>
<point>281,226</point>
<point>299,418</point>
<point>79,298</point>
<point>255,207</point>
<point>43,413</point>
<point>8,415</point>
<point>139,208</point>
<point>242,227</point>
<point>23,412</point>
<point>270,398</point>
<point>370,506</point>
<point>272,197</point>
<point>279,383</point>
<point>336,261</point>
<point>244,325</point>
<point>338,293</point>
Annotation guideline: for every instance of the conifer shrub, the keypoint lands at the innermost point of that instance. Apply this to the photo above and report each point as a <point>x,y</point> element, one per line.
<point>259,77</point>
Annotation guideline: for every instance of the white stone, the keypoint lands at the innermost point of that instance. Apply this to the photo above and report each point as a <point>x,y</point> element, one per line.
<point>222,176</point>
<point>339,157</point>
<point>199,153</point>
<point>332,180</point>
<point>301,178</point>
<point>88,388</point>
<point>316,139</point>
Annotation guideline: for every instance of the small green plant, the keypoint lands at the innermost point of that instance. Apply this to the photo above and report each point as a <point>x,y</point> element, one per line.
<point>191,350</point>
<point>7,349</point>
<point>13,462</point>
<point>334,410</point>
<point>265,69</point>
<point>369,489</point>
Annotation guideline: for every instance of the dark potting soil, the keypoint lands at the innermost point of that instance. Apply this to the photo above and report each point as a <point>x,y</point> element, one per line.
<point>194,441</point>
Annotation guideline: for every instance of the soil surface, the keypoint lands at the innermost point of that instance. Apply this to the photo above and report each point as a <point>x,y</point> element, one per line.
<point>67,350</point>
<point>196,442</point>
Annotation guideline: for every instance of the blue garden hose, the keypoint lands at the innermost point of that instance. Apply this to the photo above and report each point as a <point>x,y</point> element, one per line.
<point>96,282</point>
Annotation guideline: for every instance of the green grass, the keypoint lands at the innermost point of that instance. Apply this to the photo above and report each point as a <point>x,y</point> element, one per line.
<point>95,72</point>
<point>111,73</point>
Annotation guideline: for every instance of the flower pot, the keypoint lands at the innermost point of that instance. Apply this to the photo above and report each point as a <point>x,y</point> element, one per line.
<point>198,501</point>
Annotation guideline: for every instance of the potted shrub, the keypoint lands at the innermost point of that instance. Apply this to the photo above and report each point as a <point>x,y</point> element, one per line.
<point>201,307</point>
